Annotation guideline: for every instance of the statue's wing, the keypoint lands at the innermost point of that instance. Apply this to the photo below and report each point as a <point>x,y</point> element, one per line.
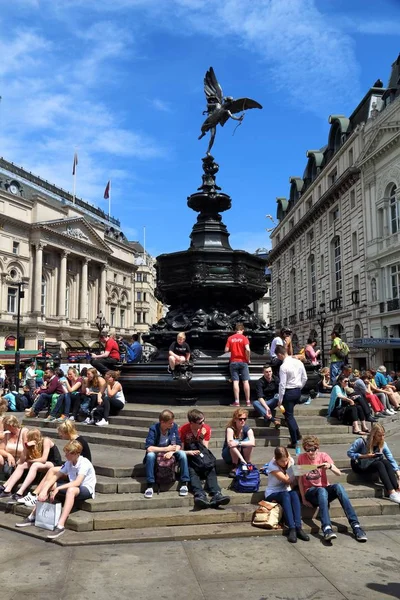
<point>237,106</point>
<point>212,88</point>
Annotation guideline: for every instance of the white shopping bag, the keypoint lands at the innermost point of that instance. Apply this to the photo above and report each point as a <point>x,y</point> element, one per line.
<point>47,515</point>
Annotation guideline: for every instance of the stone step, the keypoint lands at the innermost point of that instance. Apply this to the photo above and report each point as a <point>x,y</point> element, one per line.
<point>216,423</point>
<point>319,406</point>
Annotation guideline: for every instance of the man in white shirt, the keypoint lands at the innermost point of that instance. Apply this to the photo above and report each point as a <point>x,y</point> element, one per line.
<point>292,379</point>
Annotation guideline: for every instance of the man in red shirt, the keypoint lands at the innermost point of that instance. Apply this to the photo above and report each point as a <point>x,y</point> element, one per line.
<point>107,360</point>
<point>195,436</point>
<point>239,347</point>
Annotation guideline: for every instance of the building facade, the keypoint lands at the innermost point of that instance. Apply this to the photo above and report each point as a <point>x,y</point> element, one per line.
<point>71,261</point>
<point>323,253</point>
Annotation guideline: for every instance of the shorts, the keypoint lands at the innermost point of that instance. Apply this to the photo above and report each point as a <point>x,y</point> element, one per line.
<point>239,370</point>
<point>84,493</point>
<point>226,454</point>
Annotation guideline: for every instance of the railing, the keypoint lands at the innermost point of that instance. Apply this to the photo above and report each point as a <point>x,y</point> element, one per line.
<point>393,304</point>
<point>301,315</point>
<point>311,312</point>
<point>355,297</point>
<point>335,304</point>
<point>292,320</point>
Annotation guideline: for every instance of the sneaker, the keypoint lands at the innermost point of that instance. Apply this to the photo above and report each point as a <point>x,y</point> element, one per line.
<point>4,494</point>
<point>31,502</point>
<point>235,404</point>
<point>72,418</point>
<point>329,534</point>
<point>395,497</point>
<point>219,500</point>
<point>201,502</point>
<point>56,533</point>
<point>308,401</point>
<point>26,522</point>
<point>232,473</point>
<point>183,490</point>
<point>360,534</point>
<point>149,492</point>
<point>15,498</point>
<point>62,419</point>
<point>102,423</point>
<point>390,411</point>
<point>88,421</point>
<point>49,419</point>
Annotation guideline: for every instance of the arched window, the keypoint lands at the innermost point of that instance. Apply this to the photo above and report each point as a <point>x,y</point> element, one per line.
<point>374,294</point>
<point>394,210</point>
<point>312,283</point>
<point>357,331</point>
<point>278,302</point>
<point>337,267</point>
<point>67,295</point>
<point>43,296</point>
<point>293,295</point>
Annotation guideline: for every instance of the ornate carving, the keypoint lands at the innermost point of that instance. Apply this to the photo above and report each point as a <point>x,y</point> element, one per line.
<point>77,233</point>
<point>392,175</point>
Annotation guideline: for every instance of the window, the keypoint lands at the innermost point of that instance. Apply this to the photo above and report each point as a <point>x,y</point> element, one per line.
<point>337,267</point>
<point>313,282</point>
<point>67,292</point>
<point>292,252</point>
<point>357,331</point>
<point>395,280</point>
<point>138,277</point>
<point>144,277</point>
<point>334,214</point>
<point>394,211</point>
<point>351,157</point>
<point>115,277</point>
<point>352,199</point>
<point>15,248</point>
<point>332,177</point>
<point>293,295</point>
<point>356,280</point>
<point>112,317</point>
<point>138,317</point>
<point>124,280</point>
<point>138,296</point>
<point>278,302</point>
<point>144,296</point>
<point>12,300</point>
<point>308,204</point>
<point>291,224</point>
<point>354,243</point>
<point>374,293</point>
<point>321,227</point>
<point>43,297</point>
<point>322,264</point>
<point>122,318</point>
<point>144,317</point>
<point>319,192</point>
<point>310,236</point>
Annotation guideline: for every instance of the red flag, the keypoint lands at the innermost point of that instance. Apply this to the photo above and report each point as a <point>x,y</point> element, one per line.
<point>107,191</point>
<point>75,164</point>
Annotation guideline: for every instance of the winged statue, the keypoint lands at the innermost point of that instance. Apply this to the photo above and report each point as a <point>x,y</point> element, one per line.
<point>221,108</point>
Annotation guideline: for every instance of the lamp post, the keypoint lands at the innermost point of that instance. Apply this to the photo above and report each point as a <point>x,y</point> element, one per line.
<point>100,322</point>
<point>321,322</point>
<point>21,294</point>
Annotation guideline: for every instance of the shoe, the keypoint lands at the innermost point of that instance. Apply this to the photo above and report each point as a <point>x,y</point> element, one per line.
<point>149,492</point>
<point>292,536</point>
<point>56,533</point>
<point>390,412</point>
<point>102,423</point>
<point>248,404</point>
<point>395,497</point>
<point>26,522</point>
<point>301,535</point>
<point>4,494</point>
<point>232,473</point>
<point>380,415</point>
<point>88,421</point>
<point>219,500</point>
<point>201,502</point>
<point>371,419</point>
<point>277,424</point>
<point>49,419</point>
<point>308,401</point>
<point>72,418</point>
<point>15,498</point>
<point>30,413</point>
<point>183,490</point>
<point>62,419</point>
<point>359,534</point>
<point>235,404</point>
<point>329,534</point>
<point>169,370</point>
<point>31,502</point>
<point>24,499</point>
<point>291,445</point>
<point>1,488</point>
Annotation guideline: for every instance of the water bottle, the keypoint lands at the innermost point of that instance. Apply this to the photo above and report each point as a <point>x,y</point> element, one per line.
<point>298,448</point>
<point>173,439</point>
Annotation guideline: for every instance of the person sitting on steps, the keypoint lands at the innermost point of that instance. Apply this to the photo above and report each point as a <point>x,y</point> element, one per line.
<point>178,354</point>
<point>109,358</point>
<point>197,433</point>
<point>239,441</point>
<point>344,409</point>
<point>316,491</point>
<point>163,437</point>
<point>267,396</point>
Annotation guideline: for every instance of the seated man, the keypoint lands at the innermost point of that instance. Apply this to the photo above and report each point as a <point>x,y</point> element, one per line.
<point>195,436</point>
<point>44,394</point>
<point>179,353</point>
<point>107,360</point>
<point>267,396</point>
<point>76,480</point>
<point>164,437</point>
<point>134,351</point>
<point>316,491</point>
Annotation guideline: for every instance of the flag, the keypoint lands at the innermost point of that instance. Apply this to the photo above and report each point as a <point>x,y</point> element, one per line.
<point>107,191</point>
<point>75,164</point>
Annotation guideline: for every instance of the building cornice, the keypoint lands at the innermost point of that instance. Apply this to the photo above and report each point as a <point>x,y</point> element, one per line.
<point>341,185</point>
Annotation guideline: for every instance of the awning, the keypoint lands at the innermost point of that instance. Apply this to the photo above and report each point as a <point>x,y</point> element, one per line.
<point>377,342</point>
<point>7,357</point>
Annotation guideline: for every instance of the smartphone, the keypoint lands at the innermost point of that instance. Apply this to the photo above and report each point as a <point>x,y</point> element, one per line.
<point>378,453</point>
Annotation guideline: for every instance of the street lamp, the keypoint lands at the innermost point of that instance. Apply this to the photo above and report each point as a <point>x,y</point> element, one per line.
<point>100,323</point>
<point>21,294</point>
<point>321,322</point>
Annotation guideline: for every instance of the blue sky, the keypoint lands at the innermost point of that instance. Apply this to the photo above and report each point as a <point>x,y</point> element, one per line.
<point>122,81</point>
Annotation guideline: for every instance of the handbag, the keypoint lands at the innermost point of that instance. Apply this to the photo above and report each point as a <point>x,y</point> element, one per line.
<point>47,515</point>
<point>268,515</point>
<point>8,469</point>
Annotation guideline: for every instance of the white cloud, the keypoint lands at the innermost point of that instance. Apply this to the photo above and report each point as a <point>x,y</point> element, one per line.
<point>161,105</point>
<point>249,241</point>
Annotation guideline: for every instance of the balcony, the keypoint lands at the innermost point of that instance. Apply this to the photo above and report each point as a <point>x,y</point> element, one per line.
<point>292,320</point>
<point>335,304</point>
<point>301,315</point>
<point>311,312</point>
<point>355,297</point>
<point>393,304</point>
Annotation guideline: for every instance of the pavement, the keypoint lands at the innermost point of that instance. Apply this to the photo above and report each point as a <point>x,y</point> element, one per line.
<point>251,568</point>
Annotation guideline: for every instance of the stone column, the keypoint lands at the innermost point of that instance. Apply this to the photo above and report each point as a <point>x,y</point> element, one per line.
<point>83,311</point>
<point>37,286</point>
<point>102,290</point>
<point>62,284</point>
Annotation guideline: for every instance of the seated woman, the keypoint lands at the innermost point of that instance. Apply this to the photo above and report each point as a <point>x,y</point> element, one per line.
<point>95,386</point>
<point>384,398</point>
<point>62,410</point>
<point>324,386</point>
<point>66,431</point>
<point>112,402</point>
<point>239,441</point>
<point>3,410</point>
<point>311,353</point>
<point>372,455</point>
<point>345,409</point>
<point>179,353</point>
<point>360,387</point>
<point>280,489</point>
<point>39,455</point>
<point>13,442</point>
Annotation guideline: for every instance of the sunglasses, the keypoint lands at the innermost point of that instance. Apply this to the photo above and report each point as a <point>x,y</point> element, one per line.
<point>313,449</point>
<point>242,418</point>
<point>200,422</point>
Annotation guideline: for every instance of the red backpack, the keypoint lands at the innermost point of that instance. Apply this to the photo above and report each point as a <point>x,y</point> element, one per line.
<point>165,469</point>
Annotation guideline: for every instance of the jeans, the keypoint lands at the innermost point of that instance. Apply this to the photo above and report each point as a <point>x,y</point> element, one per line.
<point>104,364</point>
<point>290,399</point>
<point>180,457</point>
<point>42,402</point>
<point>211,485</point>
<point>384,469</point>
<point>291,506</point>
<point>272,404</point>
<point>323,496</point>
<point>334,370</point>
<point>64,401</point>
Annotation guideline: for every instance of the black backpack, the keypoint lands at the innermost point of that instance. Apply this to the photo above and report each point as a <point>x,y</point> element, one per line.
<point>203,461</point>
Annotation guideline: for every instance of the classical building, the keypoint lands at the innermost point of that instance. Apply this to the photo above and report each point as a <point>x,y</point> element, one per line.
<point>148,309</point>
<point>324,248</point>
<point>74,262</point>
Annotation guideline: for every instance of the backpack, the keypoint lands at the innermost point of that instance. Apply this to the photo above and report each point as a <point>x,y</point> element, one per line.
<point>247,480</point>
<point>128,351</point>
<point>203,461</point>
<point>342,351</point>
<point>165,469</point>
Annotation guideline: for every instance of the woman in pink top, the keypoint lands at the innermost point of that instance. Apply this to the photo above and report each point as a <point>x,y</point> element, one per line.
<point>311,353</point>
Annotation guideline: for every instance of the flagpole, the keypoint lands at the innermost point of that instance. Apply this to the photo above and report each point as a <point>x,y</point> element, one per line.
<point>109,200</point>
<point>74,190</point>
<point>74,175</point>
<point>144,244</point>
